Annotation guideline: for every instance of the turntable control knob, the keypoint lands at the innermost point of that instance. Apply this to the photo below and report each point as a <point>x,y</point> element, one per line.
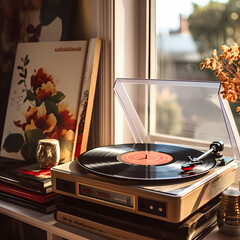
<point>160,209</point>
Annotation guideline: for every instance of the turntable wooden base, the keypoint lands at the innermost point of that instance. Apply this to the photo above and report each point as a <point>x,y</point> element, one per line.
<point>171,201</point>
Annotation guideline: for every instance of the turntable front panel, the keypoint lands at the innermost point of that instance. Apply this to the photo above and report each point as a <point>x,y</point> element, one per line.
<point>169,201</point>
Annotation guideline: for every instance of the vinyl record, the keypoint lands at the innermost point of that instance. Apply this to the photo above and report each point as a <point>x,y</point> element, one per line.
<point>143,161</point>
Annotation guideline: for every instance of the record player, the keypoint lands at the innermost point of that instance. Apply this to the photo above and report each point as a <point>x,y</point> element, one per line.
<point>185,153</point>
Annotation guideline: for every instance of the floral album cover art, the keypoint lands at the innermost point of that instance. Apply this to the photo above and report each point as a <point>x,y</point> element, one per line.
<point>44,98</point>
<point>29,21</point>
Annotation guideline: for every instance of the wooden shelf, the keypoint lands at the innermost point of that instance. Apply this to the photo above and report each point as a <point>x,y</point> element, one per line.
<point>55,230</point>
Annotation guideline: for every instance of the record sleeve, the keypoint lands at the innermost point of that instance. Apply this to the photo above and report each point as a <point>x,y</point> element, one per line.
<point>25,175</point>
<point>26,194</point>
<point>43,208</point>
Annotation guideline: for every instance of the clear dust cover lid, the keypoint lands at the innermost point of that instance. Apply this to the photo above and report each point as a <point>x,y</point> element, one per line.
<point>184,113</point>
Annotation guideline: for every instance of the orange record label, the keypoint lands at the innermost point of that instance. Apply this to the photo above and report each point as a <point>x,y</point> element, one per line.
<point>146,158</point>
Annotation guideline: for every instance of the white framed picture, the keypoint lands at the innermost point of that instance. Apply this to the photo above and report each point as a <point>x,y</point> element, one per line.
<point>45,97</point>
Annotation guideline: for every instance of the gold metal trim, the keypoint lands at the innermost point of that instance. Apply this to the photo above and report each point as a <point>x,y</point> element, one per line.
<point>102,200</point>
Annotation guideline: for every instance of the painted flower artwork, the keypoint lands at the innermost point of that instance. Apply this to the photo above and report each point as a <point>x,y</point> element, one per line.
<point>46,114</point>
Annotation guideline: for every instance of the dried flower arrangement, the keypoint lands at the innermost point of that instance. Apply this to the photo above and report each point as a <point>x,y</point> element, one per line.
<point>227,69</point>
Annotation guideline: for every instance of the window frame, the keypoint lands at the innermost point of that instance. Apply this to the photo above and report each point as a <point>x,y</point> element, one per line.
<point>131,53</point>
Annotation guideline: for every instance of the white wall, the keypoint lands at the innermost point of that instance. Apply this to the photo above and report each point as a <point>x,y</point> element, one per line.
<point>130,53</point>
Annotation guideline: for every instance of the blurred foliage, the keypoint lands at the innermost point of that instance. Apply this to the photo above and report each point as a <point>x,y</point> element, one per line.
<point>215,24</point>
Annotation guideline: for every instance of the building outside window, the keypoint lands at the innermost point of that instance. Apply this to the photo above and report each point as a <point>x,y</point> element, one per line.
<point>188,30</point>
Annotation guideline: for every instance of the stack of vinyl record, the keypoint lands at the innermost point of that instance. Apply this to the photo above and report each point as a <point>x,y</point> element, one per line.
<point>27,185</point>
<point>117,224</point>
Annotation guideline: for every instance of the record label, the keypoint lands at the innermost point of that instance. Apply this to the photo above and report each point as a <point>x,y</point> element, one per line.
<point>146,158</point>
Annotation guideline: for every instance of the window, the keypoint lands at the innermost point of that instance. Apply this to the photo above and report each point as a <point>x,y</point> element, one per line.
<point>187,31</point>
